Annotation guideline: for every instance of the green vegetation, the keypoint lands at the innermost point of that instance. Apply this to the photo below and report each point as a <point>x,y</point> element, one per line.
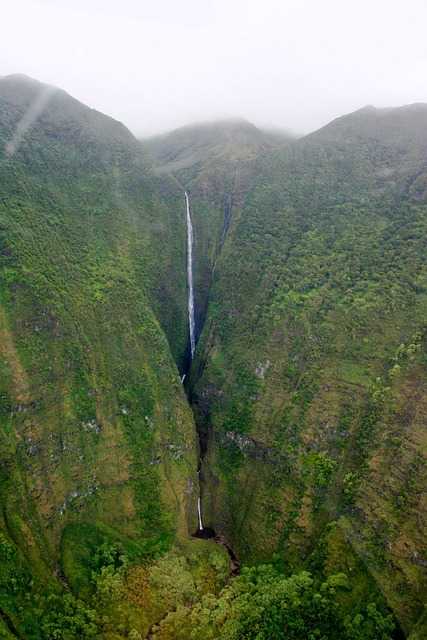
<point>319,297</point>
<point>214,162</point>
<point>182,595</point>
<point>263,604</point>
<point>95,426</point>
<point>309,386</point>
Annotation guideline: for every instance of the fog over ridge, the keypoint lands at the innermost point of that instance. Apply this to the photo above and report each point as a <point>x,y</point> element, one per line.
<point>291,64</point>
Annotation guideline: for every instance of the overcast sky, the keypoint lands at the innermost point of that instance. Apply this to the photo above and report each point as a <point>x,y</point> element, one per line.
<point>159,64</point>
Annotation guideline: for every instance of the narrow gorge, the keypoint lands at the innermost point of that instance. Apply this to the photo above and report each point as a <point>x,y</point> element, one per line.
<point>192,335</point>
<point>207,533</point>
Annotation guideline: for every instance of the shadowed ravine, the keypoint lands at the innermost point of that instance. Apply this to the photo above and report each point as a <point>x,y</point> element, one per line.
<point>202,531</point>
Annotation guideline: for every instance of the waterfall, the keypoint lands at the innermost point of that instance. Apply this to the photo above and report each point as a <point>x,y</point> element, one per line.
<point>199,513</point>
<point>191,321</point>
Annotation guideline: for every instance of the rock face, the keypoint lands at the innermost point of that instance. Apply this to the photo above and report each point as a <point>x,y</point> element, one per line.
<point>90,394</point>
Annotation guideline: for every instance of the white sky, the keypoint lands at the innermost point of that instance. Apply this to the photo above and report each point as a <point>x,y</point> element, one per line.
<point>159,64</point>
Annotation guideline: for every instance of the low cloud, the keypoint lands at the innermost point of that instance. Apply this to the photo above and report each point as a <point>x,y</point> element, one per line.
<point>287,63</point>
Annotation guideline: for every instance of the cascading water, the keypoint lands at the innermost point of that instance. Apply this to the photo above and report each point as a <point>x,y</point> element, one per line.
<point>199,513</point>
<point>191,318</point>
<point>202,532</point>
<point>191,321</point>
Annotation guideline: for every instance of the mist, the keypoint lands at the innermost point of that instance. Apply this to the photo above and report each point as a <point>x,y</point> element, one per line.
<point>293,64</point>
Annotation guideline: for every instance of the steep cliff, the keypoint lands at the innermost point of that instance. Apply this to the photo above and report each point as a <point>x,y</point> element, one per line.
<point>310,381</point>
<point>97,439</point>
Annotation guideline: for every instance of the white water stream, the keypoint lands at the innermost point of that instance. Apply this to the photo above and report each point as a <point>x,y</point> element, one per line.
<point>199,513</point>
<point>191,319</point>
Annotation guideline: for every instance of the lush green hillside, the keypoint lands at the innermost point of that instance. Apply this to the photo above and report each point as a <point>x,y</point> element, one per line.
<point>309,386</point>
<point>310,380</point>
<point>97,439</point>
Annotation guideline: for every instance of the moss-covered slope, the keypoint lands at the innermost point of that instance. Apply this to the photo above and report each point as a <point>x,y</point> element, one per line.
<point>310,381</point>
<point>309,385</point>
<point>95,427</point>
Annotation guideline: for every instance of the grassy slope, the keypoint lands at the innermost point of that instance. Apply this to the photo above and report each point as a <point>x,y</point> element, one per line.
<point>312,365</point>
<point>95,427</point>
